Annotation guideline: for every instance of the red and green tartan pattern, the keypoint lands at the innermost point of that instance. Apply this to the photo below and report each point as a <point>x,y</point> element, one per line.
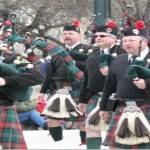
<point>11,136</point>
<point>49,47</point>
<point>43,45</point>
<point>70,65</point>
<point>92,103</point>
<point>110,138</point>
<point>28,41</point>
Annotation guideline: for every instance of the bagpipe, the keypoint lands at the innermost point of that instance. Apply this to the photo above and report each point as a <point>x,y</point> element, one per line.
<point>105,60</point>
<point>43,46</point>
<point>125,22</point>
<point>91,28</point>
<point>139,68</point>
<point>16,94</point>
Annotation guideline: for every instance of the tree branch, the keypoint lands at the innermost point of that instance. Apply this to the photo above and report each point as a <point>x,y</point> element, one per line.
<point>138,9</point>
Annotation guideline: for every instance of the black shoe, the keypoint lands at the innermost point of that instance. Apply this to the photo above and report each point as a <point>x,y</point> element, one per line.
<point>45,127</point>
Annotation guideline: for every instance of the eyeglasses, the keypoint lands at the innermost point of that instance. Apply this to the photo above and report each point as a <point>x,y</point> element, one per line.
<point>102,36</point>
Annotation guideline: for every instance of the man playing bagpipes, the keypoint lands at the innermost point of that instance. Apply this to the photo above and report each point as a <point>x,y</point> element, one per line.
<point>11,136</point>
<point>16,82</point>
<point>105,39</point>
<point>79,51</point>
<point>66,80</point>
<point>129,127</point>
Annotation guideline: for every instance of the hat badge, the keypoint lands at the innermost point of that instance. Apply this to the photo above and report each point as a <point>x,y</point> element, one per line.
<point>135,31</point>
<point>108,30</point>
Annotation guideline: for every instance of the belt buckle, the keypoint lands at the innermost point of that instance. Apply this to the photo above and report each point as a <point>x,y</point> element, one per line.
<point>131,103</point>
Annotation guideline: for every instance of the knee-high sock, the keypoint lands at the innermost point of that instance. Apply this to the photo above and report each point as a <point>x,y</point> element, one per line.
<point>83,137</point>
<point>56,133</point>
<point>93,142</point>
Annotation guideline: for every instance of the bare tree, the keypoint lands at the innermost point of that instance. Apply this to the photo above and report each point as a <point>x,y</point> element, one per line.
<point>45,15</point>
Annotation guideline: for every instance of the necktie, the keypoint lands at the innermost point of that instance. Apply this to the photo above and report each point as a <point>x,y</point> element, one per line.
<point>132,58</point>
<point>102,51</point>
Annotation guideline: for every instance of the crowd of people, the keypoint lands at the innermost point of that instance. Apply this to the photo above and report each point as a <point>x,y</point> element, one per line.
<point>103,86</point>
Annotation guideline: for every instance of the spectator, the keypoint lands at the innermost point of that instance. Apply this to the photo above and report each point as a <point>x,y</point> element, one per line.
<point>28,115</point>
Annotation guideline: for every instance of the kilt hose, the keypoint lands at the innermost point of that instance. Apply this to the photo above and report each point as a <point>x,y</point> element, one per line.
<point>11,136</point>
<point>75,93</point>
<point>110,138</point>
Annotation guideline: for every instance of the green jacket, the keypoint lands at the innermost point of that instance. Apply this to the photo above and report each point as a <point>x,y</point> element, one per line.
<point>25,105</point>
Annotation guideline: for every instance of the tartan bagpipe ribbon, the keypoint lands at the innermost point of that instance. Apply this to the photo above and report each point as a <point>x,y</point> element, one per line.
<point>52,48</point>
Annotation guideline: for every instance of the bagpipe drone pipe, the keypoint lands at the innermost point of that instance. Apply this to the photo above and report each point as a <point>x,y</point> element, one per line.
<point>12,37</point>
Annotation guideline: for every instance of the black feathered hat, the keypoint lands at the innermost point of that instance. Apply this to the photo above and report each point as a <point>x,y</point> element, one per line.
<point>75,26</point>
<point>110,28</point>
<point>138,30</point>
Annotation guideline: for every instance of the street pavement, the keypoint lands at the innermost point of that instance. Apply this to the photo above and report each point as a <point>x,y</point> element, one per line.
<point>40,139</point>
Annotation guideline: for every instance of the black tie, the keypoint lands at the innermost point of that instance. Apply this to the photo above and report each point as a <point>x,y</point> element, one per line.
<point>102,51</point>
<point>132,58</point>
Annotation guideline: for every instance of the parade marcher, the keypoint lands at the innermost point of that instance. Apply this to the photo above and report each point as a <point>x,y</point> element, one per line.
<point>72,39</point>
<point>60,78</point>
<point>10,125</point>
<point>129,127</point>
<point>105,39</point>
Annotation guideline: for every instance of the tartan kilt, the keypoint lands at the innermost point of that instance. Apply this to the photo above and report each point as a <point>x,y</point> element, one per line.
<point>75,93</point>
<point>110,138</point>
<point>11,136</point>
<point>92,103</point>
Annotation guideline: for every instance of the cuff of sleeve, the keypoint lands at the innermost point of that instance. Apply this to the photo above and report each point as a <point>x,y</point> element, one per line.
<point>147,82</point>
<point>8,80</point>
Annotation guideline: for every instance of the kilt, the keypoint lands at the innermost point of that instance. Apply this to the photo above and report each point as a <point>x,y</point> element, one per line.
<point>11,136</point>
<point>75,93</point>
<point>110,138</point>
<point>92,103</point>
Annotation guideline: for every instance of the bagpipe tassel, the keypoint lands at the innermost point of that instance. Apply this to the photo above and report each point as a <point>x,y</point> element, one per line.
<point>61,105</point>
<point>140,128</point>
<point>55,106</point>
<point>94,122</point>
<point>133,127</point>
<point>124,129</point>
<point>71,106</point>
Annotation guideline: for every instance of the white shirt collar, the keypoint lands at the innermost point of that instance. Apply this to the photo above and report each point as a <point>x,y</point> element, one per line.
<point>106,49</point>
<point>143,54</point>
<point>72,46</point>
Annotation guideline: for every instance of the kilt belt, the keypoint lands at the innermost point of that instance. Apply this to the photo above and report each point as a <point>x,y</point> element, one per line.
<point>134,102</point>
<point>70,86</point>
